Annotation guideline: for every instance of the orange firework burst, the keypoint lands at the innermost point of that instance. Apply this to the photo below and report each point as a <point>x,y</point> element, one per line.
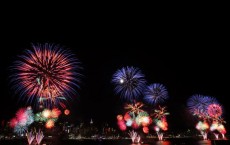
<point>136,108</point>
<point>119,117</point>
<point>50,124</point>
<point>55,113</point>
<point>160,113</point>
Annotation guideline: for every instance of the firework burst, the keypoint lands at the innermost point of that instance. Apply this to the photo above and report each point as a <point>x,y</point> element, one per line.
<point>47,73</point>
<point>200,102</point>
<point>156,93</point>
<point>49,124</point>
<point>134,108</point>
<point>20,129</point>
<point>160,113</point>
<point>24,118</point>
<point>214,110</point>
<point>129,83</point>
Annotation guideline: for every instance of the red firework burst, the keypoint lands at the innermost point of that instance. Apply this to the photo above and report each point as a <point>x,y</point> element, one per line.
<point>47,73</point>
<point>214,110</point>
<point>66,112</point>
<point>13,122</point>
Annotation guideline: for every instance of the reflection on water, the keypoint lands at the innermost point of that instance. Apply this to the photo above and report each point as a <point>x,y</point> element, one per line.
<point>155,143</point>
<point>194,142</point>
<point>163,143</point>
<point>121,142</point>
<point>204,142</point>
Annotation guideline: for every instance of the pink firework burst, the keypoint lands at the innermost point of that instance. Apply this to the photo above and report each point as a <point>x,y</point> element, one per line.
<point>47,73</point>
<point>22,116</point>
<point>214,110</point>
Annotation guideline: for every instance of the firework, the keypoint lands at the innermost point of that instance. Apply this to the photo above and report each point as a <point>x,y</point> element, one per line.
<point>20,129</point>
<point>145,129</point>
<point>156,93</point>
<point>156,128</point>
<point>39,136</point>
<point>121,125</point>
<point>160,136</point>
<point>21,116</point>
<point>214,126</point>
<point>134,108</point>
<point>160,121</point>
<point>46,74</point>
<point>143,119</point>
<point>119,117</point>
<point>127,117</point>
<point>30,137</point>
<point>24,118</point>
<point>129,122</point>
<point>160,113</point>
<point>136,117</point>
<point>162,124</point>
<point>208,110</point>
<point>204,134</point>
<point>49,124</point>
<point>129,82</point>
<point>146,121</point>
<point>48,116</point>
<point>66,112</point>
<point>13,122</point>
<point>203,128</point>
<point>216,135</point>
<point>221,129</point>
<point>218,127</point>
<point>214,110</point>
<point>135,125</point>
<point>39,117</point>
<point>201,114</point>
<point>138,139</point>
<point>55,113</point>
<point>30,116</point>
<point>46,113</point>
<point>134,137</point>
<point>200,102</point>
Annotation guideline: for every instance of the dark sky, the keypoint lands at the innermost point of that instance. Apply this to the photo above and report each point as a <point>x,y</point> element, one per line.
<point>189,56</point>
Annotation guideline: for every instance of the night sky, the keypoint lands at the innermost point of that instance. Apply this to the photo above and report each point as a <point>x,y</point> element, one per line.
<point>188,57</point>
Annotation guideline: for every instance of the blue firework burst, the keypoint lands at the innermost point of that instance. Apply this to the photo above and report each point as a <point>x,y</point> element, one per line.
<point>155,94</point>
<point>20,129</point>
<point>129,83</point>
<point>200,102</point>
<point>30,116</point>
